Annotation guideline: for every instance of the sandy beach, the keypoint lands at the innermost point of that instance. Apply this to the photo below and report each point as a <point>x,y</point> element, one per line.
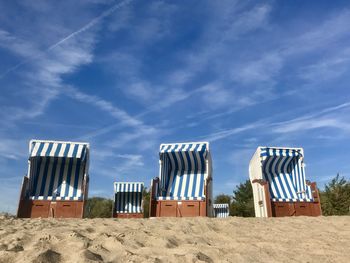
<point>294,239</point>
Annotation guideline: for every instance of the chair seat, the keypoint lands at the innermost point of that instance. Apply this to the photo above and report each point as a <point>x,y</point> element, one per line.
<point>179,198</point>
<point>291,200</point>
<point>58,198</point>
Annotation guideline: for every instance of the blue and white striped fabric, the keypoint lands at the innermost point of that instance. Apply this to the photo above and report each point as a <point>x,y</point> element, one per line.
<point>183,171</point>
<point>221,210</point>
<point>285,172</point>
<point>57,149</point>
<point>57,170</point>
<point>128,197</point>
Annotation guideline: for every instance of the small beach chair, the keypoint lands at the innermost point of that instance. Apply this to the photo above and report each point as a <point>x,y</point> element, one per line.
<point>277,175</point>
<point>221,210</point>
<point>57,181</point>
<point>128,200</point>
<point>184,185</point>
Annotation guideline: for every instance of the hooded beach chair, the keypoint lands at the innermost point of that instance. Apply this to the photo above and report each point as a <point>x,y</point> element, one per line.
<point>221,210</point>
<point>128,200</point>
<point>57,181</point>
<point>279,185</point>
<point>184,185</point>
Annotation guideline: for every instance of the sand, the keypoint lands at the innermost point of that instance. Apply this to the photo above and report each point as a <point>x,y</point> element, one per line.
<point>297,239</point>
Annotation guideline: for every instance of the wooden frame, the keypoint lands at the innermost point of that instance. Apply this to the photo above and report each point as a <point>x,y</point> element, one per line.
<point>50,208</point>
<point>176,208</point>
<point>280,209</point>
<point>127,215</point>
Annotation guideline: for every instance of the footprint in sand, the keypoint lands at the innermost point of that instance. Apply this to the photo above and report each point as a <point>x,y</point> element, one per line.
<point>203,257</point>
<point>90,230</point>
<point>172,243</point>
<point>49,256</point>
<point>87,254</point>
<point>14,247</point>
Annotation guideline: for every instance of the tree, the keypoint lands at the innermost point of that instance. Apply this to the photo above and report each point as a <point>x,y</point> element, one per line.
<point>243,203</point>
<point>223,199</point>
<point>335,199</point>
<point>97,207</point>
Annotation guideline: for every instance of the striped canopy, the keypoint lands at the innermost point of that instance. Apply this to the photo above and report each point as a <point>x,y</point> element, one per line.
<point>221,210</point>
<point>57,170</point>
<point>184,147</point>
<point>57,149</point>
<point>128,197</point>
<point>285,172</point>
<point>183,171</point>
<point>128,187</point>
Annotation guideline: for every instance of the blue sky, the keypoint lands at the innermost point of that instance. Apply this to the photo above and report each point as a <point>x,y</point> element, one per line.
<point>129,75</point>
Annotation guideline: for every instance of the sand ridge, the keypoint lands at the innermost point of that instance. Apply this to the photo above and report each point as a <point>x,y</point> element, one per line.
<point>295,239</point>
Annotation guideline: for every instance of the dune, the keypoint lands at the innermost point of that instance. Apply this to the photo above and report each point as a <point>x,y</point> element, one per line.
<point>294,239</point>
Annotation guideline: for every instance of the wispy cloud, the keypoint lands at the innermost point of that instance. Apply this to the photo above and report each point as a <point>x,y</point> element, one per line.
<point>319,119</point>
<point>298,125</point>
<point>9,189</point>
<point>329,68</point>
<point>215,42</point>
<point>124,166</point>
<point>86,27</point>
<point>44,77</point>
<point>41,83</point>
<point>216,96</point>
<point>103,105</point>
<point>258,71</point>
<point>330,31</point>
<point>331,117</point>
<point>12,149</point>
<point>132,160</point>
<point>229,132</point>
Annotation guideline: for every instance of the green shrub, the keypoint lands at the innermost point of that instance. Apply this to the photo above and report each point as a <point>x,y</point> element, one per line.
<point>98,207</point>
<point>335,199</point>
<point>243,203</point>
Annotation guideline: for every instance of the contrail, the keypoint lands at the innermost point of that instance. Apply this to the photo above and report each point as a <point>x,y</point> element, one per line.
<point>82,29</point>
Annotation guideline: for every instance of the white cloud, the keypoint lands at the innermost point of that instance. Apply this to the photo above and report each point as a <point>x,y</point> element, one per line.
<point>92,23</point>
<point>312,123</point>
<point>227,23</point>
<point>335,117</point>
<point>128,63</point>
<point>9,193</point>
<point>136,138</point>
<point>253,19</point>
<point>124,64</point>
<point>331,117</point>
<point>16,45</point>
<point>42,81</point>
<point>261,70</point>
<point>47,67</point>
<point>215,96</point>
<point>104,105</point>
<point>124,165</point>
<point>229,132</point>
<point>327,69</point>
<point>321,36</point>
<point>168,97</point>
<point>13,149</point>
<point>142,91</point>
<point>133,158</point>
